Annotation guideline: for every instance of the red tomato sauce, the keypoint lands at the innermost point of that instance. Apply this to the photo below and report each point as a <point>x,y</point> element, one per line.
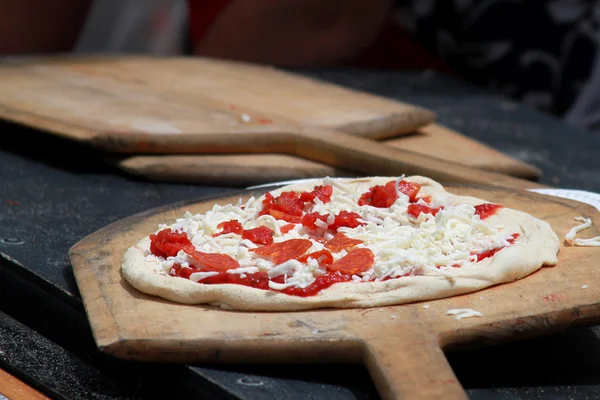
<point>486,210</point>
<point>490,253</point>
<point>260,280</point>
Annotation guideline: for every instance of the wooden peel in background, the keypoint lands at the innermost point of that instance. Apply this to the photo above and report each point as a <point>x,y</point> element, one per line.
<point>195,105</point>
<point>12,388</point>
<point>137,104</point>
<point>401,345</point>
<point>251,169</point>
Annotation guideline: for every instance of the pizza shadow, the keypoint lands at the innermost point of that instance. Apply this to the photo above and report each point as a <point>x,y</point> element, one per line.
<point>565,361</point>
<point>563,365</point>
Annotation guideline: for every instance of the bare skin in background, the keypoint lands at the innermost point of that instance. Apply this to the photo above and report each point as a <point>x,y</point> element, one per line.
<point>282,32</point>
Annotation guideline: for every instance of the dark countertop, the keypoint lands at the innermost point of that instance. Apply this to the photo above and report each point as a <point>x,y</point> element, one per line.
<point>53,193</point>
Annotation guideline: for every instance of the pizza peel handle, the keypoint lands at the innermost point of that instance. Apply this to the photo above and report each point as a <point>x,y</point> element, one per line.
<point>410,365</point>
<point>371,158</point>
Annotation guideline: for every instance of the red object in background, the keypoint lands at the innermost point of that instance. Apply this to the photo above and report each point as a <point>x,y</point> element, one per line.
<point>202,14</point>
<point>392,49</point>
<point>395,49</point>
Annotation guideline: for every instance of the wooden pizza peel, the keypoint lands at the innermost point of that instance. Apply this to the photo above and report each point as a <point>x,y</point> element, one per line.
<point>146,104</point>
<point>432,140</point>
<point>224,110</point>
<point>12,388</point>
<point>402,346</point>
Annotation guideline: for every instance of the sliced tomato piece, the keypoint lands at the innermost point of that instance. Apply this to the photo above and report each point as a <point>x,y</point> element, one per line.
<point>490,253</point>
<point>286,228</point>
<point>347,219</point>
<point>212,261</point>
<point>233,226</point>
<point>308,220</point>
<point>355,262</point>
<point>267,203</point>
<point>323,192</point>
<point>486,210</point>
<point>383,196</point>
<point>365,199</point>
<point>324,257</point>
<point>286,202</point>
<point>285,217</point>
<point>341,242</point>
<point>284,251</point>
<point>289,203</point>
<point>378,196</point>
<point>260,235</point>
<point>174,271</point>
<point>307,196</point>
<point>416,209</point>
<point>178,270</point>
<point>411,189</point>
<point>167,243</point>
<point>427,199</point>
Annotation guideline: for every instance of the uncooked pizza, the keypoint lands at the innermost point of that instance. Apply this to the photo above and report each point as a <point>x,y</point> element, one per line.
<point>342,243</point>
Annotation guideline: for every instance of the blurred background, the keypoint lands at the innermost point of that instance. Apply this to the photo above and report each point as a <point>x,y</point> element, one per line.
<point>134,26</point>
<point>541,53</point>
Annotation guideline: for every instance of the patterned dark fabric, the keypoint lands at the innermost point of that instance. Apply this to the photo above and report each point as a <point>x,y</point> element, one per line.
<point>540,52</point>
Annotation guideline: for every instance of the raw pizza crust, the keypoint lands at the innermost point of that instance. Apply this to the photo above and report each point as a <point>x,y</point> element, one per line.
<point>538,245</point>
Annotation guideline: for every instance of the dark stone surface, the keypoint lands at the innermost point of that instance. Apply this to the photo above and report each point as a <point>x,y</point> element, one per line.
<point>53,370</point>
<point>53,193</point>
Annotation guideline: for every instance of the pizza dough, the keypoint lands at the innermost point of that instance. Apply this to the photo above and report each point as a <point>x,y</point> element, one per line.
<point>537,245</point>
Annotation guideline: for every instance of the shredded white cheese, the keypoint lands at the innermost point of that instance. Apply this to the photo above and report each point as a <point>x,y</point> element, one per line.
<point>574,241</point>
<point>198,276</point>
<point>462,313</point>
<point>402,245</point>
<point>247,270</point>
<point>271,222</point>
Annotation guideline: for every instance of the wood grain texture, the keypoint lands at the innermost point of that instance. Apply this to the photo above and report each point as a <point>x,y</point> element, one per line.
<point>355,154</point>
<point>13,388</point>
<point>401,345</point>
<point>251,169</point>
<point>227,169</point>
<point>367,157</point>
<point>203,106</point>
<point>138,104</point>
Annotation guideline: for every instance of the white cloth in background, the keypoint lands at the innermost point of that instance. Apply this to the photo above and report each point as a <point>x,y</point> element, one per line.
<point>135,26</point>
